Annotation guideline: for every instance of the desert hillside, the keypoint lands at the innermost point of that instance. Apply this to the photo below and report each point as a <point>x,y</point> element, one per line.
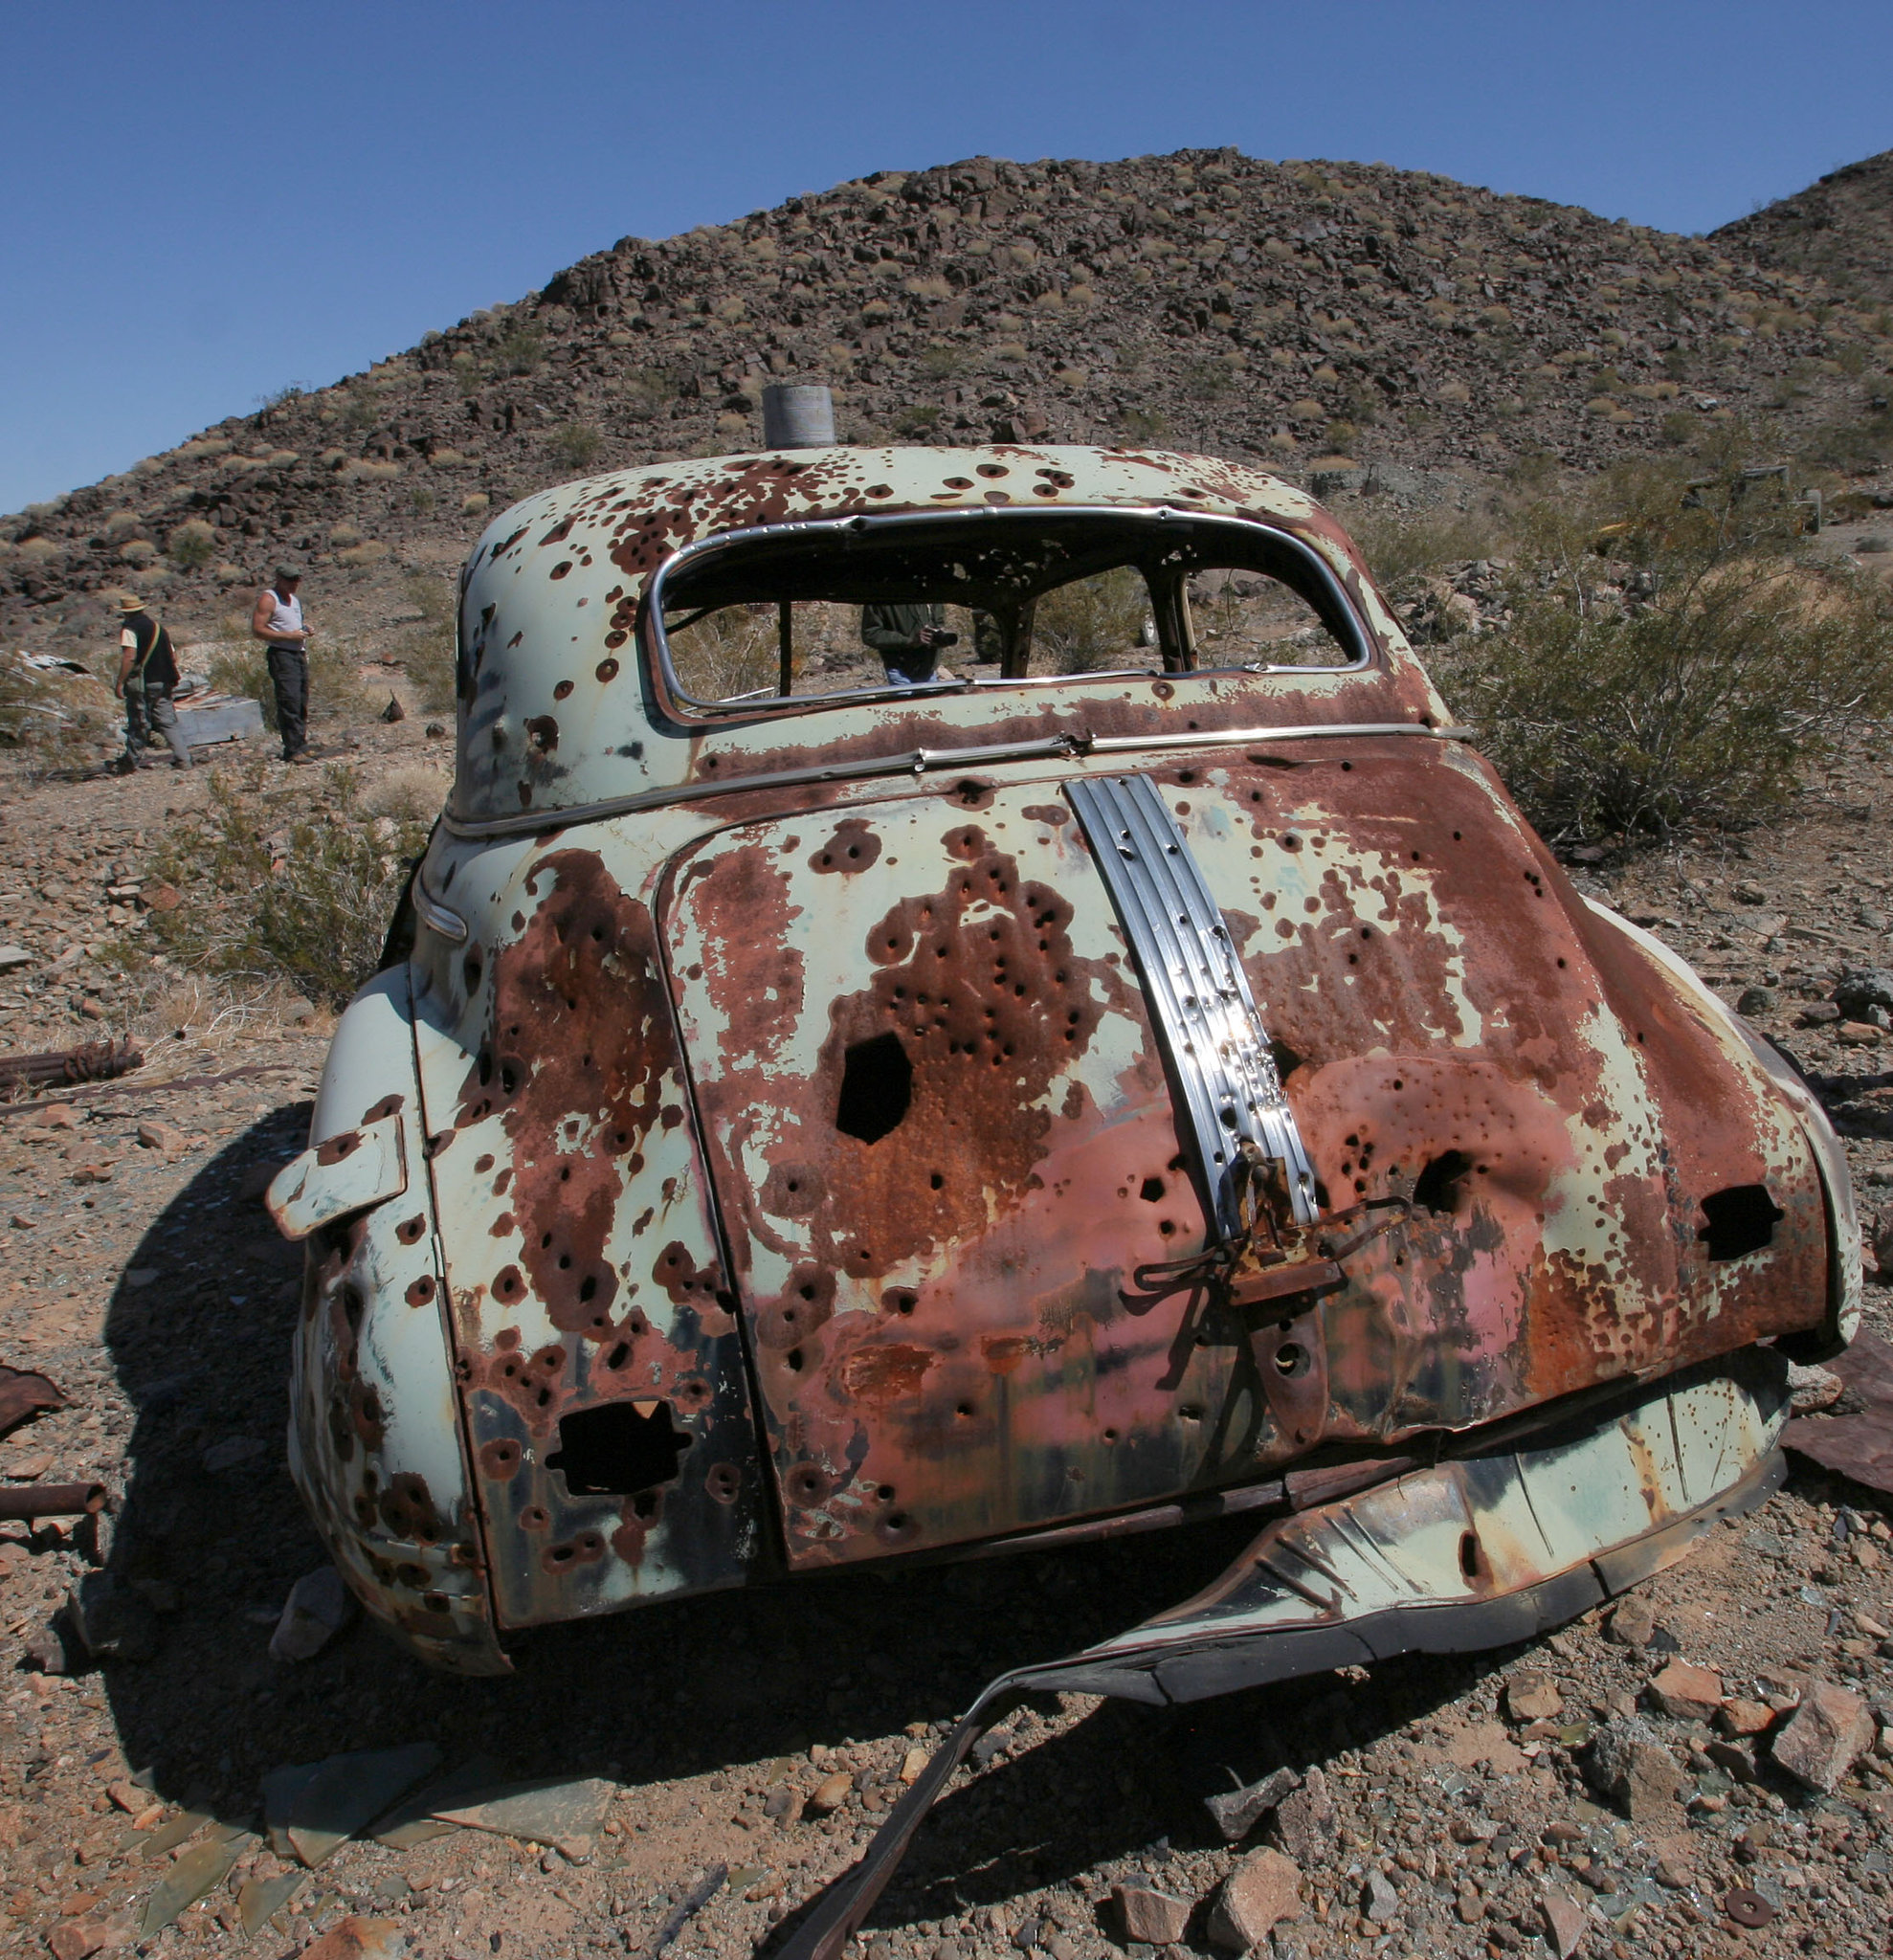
<point>1292,312</point>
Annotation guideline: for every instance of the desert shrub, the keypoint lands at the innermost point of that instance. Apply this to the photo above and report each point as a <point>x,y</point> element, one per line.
<point>192,544</point>
<point>1092,622</point>
<point>475,504</point>
<point>1143,425</point>
<point>427,650</point>
<point>919,420</point>
<point>370,552</point>
<point>518,350</point>
<point>732,652</point>
<point>942,362</point>
<point>281,884</point>
<point>413,794</point>
<point>1686,678</point>
<point>575,445</point>
<point>647,391</point>
<point>1403,547</point>
<point>138,553</point>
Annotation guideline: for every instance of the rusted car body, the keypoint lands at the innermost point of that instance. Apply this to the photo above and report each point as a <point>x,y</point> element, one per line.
<point>1143,1067</point>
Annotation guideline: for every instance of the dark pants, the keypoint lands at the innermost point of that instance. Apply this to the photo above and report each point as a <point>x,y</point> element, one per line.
<point>289,672</point>
<point>149,711</point>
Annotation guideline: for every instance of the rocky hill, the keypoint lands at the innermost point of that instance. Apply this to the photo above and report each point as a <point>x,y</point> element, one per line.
<point>1838,230</point>
<point>1291,312</point>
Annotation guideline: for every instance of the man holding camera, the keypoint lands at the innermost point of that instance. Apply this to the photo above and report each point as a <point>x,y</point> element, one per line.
<point>908,638</point>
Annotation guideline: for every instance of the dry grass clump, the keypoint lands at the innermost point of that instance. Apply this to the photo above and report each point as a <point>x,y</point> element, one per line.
<point>284,887</point>
<point>1403,547</point>
<point>414,794</point>
<point>427,650</point>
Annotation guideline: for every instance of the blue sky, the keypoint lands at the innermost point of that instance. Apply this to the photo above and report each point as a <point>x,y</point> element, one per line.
<point>205,202</point>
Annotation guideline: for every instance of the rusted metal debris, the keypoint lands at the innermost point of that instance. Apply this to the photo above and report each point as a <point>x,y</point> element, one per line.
<point>93,1061</point>
<point>1855,1438</point>
<point>51,1500</point>
<point>24,1393</point>
<point>1076,1089</point>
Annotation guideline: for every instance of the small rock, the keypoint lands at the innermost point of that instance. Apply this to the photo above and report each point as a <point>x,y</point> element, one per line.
<point>91,1010</point>
<point>75,1939</point>
<point>359,1939</point>
<point>1811,1388</point>
<point>1155,1917</point>
<point>393,711</point>
<point>1820,1013</point>
<point>1633,1623</point>
<point>1881,1239</point>
<point>110,1620</point>
<point>1264,1888</point>
<point>1379,1900</point>
<point>1687,1692</point>
<point>14,957</point>
<point>1531,1697</point>
<point>1748,894</point>
<point>1755,1000</point>
<point>92,1173</point>
<point>319,1607</point>
<point>160,1136</point>
<point>230,1451</point>
<point>830,1793</point>
<point>1237,1811</point>
<point>1304,1820</point>
<point>1733,1760</point>
<point>1563,1922</point>
<point>1858,1034</point>
<point>1861,989</point>
<point>1470,1906</point>
<point>436,731</point>
<point>58,1116</point>
<point>49,1650</point>
<point>1825,1733</point>
<point>1631,1767</point>
<point>297,1010</point>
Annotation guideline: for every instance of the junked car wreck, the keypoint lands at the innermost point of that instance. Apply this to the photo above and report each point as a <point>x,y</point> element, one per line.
<point>973,996</point>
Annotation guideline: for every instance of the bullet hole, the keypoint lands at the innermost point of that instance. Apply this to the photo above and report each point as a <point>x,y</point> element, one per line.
<point>618,1448</point>
<point>722,1482</point>
<point>1469,1554</point>
<point>1741,1220</point>
<point>1439,1188</point>
<point>1151,1190</point>
<point>876,1088</point>
<point>1292,1361</point>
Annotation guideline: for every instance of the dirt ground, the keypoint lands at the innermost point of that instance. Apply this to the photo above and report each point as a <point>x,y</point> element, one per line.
<point>145,1279</point>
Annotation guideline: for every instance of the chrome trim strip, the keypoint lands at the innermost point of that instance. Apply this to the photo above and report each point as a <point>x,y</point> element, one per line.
<point>860,524</point>
<point>436,917</point>
<point>919,761</point>
<point>1200,1002</point>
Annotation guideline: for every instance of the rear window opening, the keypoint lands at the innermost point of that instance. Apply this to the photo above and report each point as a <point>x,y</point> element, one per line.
<point>879,605</point>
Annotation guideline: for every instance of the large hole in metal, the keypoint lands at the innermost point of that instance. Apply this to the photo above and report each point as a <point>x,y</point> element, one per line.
<point>1741,1220</point>
<point>877,1088</point>
<point>618,1448</point>
<point>1437,1187</point>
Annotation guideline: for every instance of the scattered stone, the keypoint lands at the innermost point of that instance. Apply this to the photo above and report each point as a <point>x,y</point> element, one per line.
<point>110,1621</point>
<point>1820,1013</point>
<point>1532,1696</point>
<point>13,957</point>
<point>1825,1733</point>
<point>49,1650</point>
<point>1687,1692</point>
<point>1858,1034</point>
<point>393,711</point>
<point>1304,1820</point>
<point>1633,1623</point>
<point>1747,893</point>
<point>829,1794</point>
<point>1379,1900</point>
<point>1737,1717</point>
<point>1631,1767</point>
<point>436,731</point>
<point>1812,1389</point>
<point>230,1451</point>
<point>1880,1240</point>
<point>359,1939</point>
<point>1237,1811</point>
<point>319,1607</point>
<point>1755,1000</point>
<point>1264,1888</point>
<point>58,1116</point>
<point>161,1136</point>
<point>195,1872</point>
<point>1155,1918</point>
<point>1564,1921</point>
<point>1861,989</point>
<point>259,1900</point>
<point>1733,1760</point>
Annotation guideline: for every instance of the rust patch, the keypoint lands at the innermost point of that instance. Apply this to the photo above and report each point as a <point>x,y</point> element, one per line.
<point>854,846</point>
<point>886,1374</point>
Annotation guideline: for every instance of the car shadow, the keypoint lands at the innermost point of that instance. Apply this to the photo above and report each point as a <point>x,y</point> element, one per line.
<point>212,1534</point>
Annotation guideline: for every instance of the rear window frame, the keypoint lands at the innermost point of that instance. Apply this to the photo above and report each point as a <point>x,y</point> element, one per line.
<point>660,669</point>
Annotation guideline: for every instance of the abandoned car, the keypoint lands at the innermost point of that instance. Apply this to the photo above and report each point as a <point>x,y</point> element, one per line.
<point>976,994</point>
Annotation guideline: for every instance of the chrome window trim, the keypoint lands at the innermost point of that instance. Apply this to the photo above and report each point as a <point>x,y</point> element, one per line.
<point>657,642</point>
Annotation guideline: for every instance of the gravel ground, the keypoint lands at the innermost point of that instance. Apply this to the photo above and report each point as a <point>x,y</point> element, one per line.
<point>1443,1807</point>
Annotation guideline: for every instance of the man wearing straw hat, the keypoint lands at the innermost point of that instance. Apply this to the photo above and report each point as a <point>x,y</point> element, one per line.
<point>147,673</point>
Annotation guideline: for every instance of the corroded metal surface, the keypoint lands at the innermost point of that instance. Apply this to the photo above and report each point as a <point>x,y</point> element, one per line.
<point>794,1175</point>
<point>1487,1548</point>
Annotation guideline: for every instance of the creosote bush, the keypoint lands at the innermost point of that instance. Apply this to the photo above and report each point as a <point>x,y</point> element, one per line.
<point>281,885</point>
<point>1674,656</point>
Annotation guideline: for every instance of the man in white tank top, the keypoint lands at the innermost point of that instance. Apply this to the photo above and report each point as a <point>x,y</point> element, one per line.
<point>276,620</point>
